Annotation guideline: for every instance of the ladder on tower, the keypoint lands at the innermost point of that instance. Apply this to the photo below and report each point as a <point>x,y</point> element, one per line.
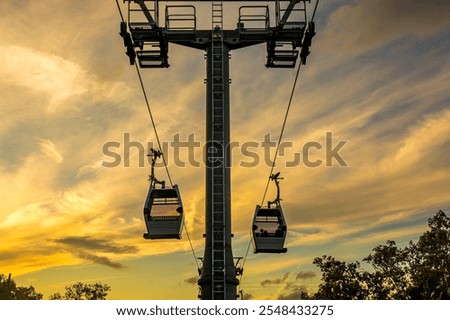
<point>218,155</point>
<point>217,14</point>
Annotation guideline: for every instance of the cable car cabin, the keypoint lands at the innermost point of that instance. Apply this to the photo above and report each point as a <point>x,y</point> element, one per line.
<point>269,230</point>
<point>163,213</point>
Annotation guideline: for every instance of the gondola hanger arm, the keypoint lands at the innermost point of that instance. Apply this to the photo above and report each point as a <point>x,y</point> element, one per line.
<point>155,154</point>
<point>275,177</point>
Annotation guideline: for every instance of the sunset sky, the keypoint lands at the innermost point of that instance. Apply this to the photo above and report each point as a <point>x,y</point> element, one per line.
<point>378,78</point>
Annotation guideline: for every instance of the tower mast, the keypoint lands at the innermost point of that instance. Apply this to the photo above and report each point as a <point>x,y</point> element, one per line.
<point>218,275</point>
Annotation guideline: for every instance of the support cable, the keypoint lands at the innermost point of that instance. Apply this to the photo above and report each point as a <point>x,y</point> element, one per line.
<point>282,132</point>
<point>153,123</point>
<point>314,12</point>
<point>148,107</point>
<point>120,11</point>
<point>157,137</point>
<point>276,153</point>
<point>243,262</point>
<point>285,117</point>
<point>192,246</point>
<point>281,135</point>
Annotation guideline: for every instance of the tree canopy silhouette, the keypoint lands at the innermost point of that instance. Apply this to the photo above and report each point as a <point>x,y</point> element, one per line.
<point>77,291</point>
<point>419,271</point>
<point>10,291</point>
<point>81,291</point>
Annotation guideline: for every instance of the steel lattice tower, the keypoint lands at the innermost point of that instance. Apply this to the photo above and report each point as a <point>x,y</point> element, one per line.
<point>148,42</point>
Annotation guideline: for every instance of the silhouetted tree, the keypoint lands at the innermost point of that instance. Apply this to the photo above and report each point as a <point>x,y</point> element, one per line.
<point>340,280</point>
<point>390,279</point>
<point>10,291</point>
<point>430,261</point>
<point>81,291</point>
<point>419,271</point>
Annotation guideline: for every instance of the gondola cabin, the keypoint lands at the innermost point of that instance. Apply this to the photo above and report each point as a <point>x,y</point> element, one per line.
<point>269,230</point>
<point>163,213</point>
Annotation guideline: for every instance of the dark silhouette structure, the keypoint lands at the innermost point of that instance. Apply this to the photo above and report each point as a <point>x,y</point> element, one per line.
<point>287,36</point>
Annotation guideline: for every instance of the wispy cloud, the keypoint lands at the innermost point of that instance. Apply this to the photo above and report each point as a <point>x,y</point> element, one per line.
<point>102,245</point>
<point>292,292</point>
<point>305,275</point>
<point>87,248</point>
<point>268,282</point>
<point>49,149</point>
<point>366,24</point>
<point>99,260</point>
<point>247,296</point>
<point>43,73</point>
<point>192,281</point>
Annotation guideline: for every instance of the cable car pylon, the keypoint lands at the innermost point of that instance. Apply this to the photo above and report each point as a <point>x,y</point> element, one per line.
<point>285,40</point>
